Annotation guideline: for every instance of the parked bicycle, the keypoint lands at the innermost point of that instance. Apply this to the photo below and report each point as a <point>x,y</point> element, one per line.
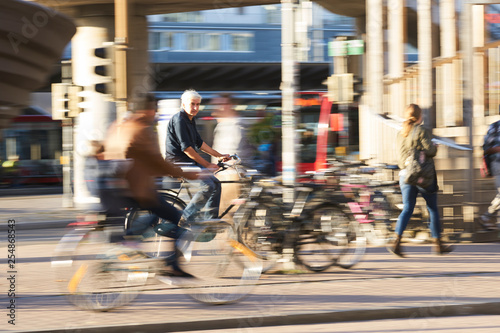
<point>314,233</point>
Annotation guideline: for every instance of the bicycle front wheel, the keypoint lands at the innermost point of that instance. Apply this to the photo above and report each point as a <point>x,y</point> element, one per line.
<point>225,270</point>
<point>322,239</point>
<point>96,274</point>
<point>260,228</point>
<point>355,247</point>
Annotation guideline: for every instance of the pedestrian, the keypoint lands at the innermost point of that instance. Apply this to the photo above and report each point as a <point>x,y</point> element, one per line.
<point>413,134</point>
<point>183,144</point>
<point>230,135</point>
<point>491,146</point>
<point>131,152</point>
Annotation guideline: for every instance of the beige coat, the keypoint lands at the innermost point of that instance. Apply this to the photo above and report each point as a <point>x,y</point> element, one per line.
<point>135,139</point>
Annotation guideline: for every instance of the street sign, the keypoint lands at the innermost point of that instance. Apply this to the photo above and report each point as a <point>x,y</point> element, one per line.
<point>341,48</point>
<point>355,47</point>
<point>337,48</point>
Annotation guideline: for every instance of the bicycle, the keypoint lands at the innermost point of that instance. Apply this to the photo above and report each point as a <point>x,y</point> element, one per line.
<point>371,200</point>
<point>316,234</point>
<point>98,274</point>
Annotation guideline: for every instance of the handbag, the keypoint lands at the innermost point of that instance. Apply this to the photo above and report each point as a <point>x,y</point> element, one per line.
<point>420,170</point>
<point>486,166</point>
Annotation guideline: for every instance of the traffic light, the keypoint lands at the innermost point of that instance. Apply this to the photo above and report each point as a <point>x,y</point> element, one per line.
<point>68,100</point>
<point>105,69</point>
<point>340,88</point>
<point>358,87</point>
<point>60,100</point>
<point>76,101</point>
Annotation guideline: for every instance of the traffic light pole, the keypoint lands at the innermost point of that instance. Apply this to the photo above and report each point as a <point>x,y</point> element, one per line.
<point>340,67</point>
<point>121,43</point>
<point>67,144</point>
<point>288,83</point>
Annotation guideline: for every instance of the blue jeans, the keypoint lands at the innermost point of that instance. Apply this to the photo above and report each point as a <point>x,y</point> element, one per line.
<point>409,194</point>
<point>208,196</point>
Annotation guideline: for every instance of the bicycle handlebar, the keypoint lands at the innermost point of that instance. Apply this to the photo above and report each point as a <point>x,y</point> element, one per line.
<point>224,165</point>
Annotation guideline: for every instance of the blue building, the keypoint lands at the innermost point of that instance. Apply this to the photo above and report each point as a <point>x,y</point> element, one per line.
<point>239,49</point>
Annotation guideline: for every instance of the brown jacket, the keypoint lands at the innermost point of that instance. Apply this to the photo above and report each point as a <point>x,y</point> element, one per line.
<point>135,139</point>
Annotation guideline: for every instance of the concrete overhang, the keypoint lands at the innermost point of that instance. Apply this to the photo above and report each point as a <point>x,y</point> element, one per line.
<point>352,8</point>
<point>32,39</point>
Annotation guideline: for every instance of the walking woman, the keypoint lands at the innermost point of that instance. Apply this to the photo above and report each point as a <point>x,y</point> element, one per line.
<point>414,135</point>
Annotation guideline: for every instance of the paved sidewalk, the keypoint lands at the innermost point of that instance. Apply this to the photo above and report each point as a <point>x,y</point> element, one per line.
<point>382,286</point>
<point>42,211</point>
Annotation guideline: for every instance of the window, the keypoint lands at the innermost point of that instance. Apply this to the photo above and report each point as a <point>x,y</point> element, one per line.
<point>241,42</point>
<point>189,17</point>
<point>273,14</point>
<point>200,41</point>
<point>161,40</point>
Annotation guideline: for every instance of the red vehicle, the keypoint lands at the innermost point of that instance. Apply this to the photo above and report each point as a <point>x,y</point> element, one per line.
<point>324,130</point>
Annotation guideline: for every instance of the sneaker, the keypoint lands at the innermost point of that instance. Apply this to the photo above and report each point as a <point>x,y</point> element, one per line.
<point>166,229</point>
<point>486,221</point>
<point>175,272</point>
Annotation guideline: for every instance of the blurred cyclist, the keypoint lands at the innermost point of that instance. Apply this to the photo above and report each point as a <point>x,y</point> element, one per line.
<point>131,152</point>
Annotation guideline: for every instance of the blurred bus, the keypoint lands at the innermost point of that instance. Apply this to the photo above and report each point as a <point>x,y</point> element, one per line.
<point>324,129</point>
<point>30,149</point>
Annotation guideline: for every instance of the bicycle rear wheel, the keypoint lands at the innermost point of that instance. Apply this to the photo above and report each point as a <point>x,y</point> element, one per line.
<point>322,239</point>
<point>96,274</point>
<point>225,270</point>
<point>378,230</point>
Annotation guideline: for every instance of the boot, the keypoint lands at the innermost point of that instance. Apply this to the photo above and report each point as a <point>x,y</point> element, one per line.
<point>395,248</point>
<point>440,248</point>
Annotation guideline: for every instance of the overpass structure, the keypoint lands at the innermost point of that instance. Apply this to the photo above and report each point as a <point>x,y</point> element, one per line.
<point>32,39</point>
<point>454,80</point>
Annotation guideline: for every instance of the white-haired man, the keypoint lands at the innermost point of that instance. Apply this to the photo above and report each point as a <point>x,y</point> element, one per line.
<point>182,145</point>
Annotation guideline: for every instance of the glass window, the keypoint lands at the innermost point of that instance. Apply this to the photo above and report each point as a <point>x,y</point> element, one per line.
<point>191,17</point>
<point>214,42</point>
<point>199,41</point>
<point>161,40</point>
<point>194,41</point>
<point>241,42</point>
<point>154,40</point>
<point>273,14</point>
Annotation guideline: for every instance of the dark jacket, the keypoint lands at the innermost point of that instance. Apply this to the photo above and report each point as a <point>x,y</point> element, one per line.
<point>421,139</point>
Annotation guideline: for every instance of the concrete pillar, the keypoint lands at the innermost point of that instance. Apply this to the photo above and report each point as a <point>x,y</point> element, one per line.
<point>447,111</point>
<point>95,26</point>
<point>370,148</point>
<point>396,42</point>
<point>425,61</point>
<point>468,79</point>
<point>478,29</point>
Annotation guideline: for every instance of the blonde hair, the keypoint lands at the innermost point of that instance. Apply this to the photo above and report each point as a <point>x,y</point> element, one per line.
<point>412,115</point>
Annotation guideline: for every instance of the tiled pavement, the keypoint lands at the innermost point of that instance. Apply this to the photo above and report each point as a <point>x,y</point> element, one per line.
<point>381,286</point>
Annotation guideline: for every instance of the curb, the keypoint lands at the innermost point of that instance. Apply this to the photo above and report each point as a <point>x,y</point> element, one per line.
<point>492,308</point>
<point>37,225</point>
